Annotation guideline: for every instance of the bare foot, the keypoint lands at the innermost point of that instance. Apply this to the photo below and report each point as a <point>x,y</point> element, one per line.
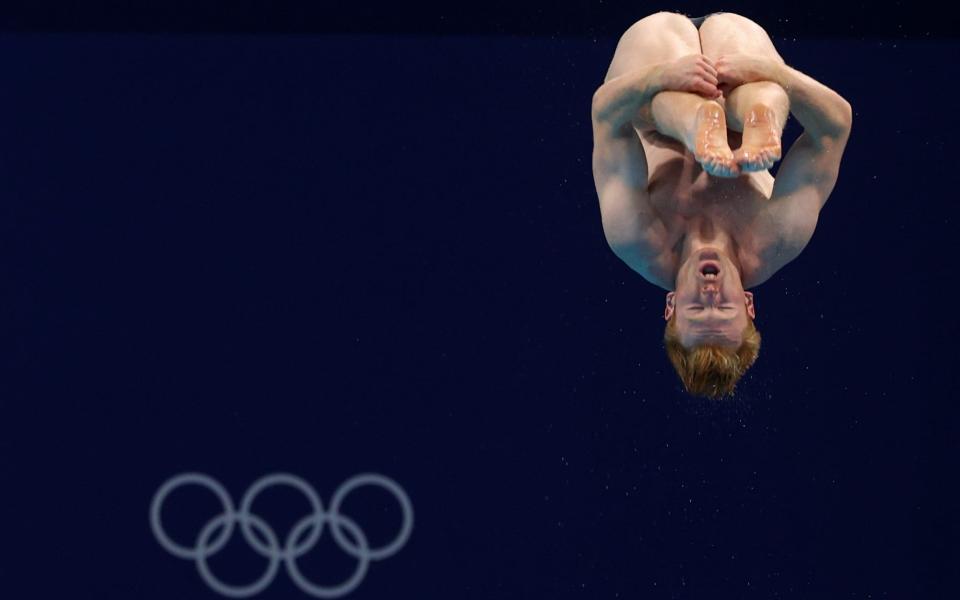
<point>761,140</point>
<point>710,141</point>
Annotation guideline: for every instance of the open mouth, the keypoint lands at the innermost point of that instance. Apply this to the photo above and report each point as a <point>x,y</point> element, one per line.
<point>710,270</point>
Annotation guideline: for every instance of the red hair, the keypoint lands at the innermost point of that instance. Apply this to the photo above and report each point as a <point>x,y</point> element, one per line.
<point>711,371</point>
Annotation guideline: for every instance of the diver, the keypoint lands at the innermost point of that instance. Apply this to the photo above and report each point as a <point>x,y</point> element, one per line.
<point>687,212</point>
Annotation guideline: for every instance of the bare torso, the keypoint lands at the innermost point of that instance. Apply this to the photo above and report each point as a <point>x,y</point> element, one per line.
<point>683,205</point>
<point>687,198</point>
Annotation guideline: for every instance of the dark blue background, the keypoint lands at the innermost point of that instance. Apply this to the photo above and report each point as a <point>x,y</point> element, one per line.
<point>329,255</point>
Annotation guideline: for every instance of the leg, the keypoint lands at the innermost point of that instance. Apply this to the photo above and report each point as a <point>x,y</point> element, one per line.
<point>657,38</point>
<point>662,37</point>
<point>758,109</point>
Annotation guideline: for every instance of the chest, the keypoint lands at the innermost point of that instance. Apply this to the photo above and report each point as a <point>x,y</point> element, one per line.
<point>681,191</point>
<point>687,199</point>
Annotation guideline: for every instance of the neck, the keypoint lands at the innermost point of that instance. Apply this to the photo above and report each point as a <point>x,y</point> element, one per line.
<point>706,234</point>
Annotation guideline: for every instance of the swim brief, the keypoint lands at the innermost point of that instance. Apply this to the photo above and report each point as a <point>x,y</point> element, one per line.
<point>698,21</point>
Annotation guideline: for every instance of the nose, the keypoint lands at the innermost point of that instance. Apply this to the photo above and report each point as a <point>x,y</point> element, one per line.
<point>709,293</point>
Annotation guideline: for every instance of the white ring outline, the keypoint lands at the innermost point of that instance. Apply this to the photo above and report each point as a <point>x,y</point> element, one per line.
<point>391,486</point>
<point>338,590</point>
<point>271,480</point>
<point>291,550</point>
<point>235,591</point>
<point>177,481</point>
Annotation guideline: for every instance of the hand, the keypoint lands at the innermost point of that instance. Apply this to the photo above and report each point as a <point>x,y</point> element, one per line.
<point>692,73</point>
<point>736,69</point>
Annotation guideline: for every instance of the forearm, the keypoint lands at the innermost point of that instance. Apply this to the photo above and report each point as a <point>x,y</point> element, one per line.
<point>618,102</point>
<point>820,110</point>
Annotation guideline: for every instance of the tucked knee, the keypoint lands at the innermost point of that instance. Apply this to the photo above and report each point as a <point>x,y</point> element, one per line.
<point>664,19</point>
<point>726,16</point>
<point>729,19</point>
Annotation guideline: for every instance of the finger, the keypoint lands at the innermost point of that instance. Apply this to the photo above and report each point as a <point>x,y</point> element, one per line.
<point>709,66</point>
<point>711,78</point>
<point>708,90</point>
<point>707,70</point>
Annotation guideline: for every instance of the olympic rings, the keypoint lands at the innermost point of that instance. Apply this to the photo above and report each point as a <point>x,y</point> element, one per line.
<point>312,525</point>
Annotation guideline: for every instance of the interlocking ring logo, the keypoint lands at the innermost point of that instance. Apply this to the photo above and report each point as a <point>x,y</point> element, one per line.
<point>208,544</point>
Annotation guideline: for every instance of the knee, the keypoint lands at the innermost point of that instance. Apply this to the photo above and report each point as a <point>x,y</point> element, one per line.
<point>725,16</point>
<point>663,19</point>
<point>729,19</point>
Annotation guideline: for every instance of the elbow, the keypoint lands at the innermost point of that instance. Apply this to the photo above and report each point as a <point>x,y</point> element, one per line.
<point>847,116</point>
<point>838,129</point>
<point>597,105</point>
<point>602,107</point>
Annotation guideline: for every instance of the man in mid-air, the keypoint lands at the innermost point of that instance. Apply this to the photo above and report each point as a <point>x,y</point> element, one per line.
<point>682,208</point>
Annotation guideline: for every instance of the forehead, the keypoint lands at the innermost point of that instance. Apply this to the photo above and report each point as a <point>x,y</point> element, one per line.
<point>730,337</point>
<point>701,322</point>
<point>701,329</point>
<point>710,317</point>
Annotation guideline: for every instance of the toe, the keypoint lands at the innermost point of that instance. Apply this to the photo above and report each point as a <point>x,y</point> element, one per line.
<point>768,159</point>
<point>713,167</point>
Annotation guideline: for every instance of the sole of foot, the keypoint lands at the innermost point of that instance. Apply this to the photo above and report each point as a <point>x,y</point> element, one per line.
<point>710,142</point>
<point>760,147</point>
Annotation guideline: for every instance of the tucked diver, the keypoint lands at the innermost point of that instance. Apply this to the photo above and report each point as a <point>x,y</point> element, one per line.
<point>688,213</point>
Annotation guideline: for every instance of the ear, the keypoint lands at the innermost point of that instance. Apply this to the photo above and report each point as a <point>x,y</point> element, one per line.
<point>671,305</point>
<point>748,296</point>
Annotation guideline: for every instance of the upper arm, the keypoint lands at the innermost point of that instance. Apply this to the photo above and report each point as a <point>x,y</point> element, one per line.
<point>631,227</point>
<point>804,182</point>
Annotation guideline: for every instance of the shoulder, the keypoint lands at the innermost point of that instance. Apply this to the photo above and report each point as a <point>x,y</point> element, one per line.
<point>658,268</point>
<point>784,243</point>
<point>805,180</point>
<point>779,233</point>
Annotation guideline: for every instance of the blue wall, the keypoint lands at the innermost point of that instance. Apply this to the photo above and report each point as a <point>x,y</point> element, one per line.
<point>332,255</point>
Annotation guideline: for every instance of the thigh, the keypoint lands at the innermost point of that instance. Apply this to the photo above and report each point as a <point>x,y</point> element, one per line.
<point>660,37</point>
<point>730,33</point>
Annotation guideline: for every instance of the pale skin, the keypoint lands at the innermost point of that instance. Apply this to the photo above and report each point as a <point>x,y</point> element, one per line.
<point>686,126</point>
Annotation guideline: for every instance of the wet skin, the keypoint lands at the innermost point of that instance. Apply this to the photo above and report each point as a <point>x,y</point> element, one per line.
<point>759,150</point>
